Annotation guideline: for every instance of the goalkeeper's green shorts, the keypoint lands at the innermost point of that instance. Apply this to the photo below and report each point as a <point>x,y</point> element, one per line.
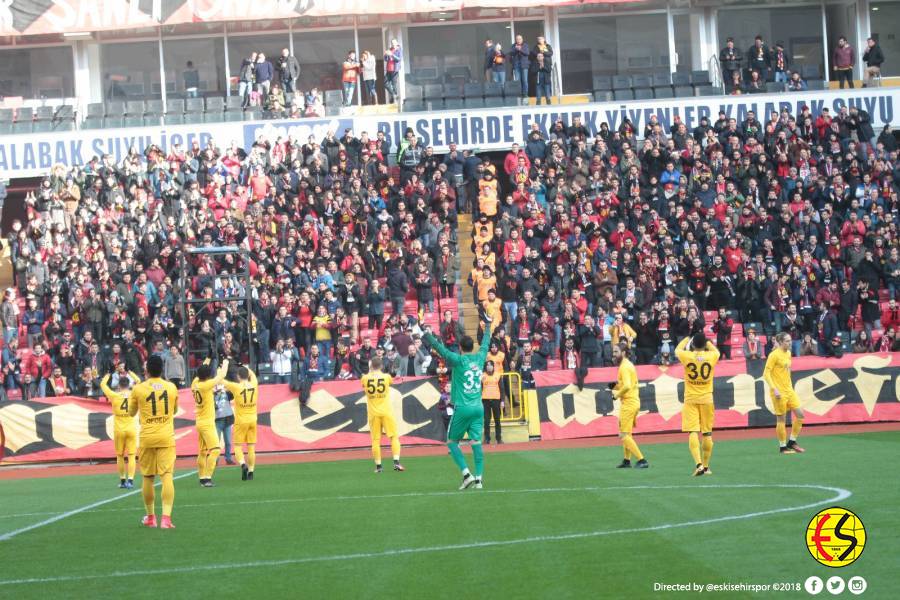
<point>466,420</point>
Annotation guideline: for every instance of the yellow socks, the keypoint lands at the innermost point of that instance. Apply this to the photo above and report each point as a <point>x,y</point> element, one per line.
<point>632,447</point>
<point>376,449</point>
<point>147,493</point>
<point>251,457</point>
<point>211,459</point>
<point>132,466</point>
<point>120,465</point>
<point>796,426</point>
<point>239,453</point>
<point>395,447</point>
<point>625,450</point>
<point>168,494</point>
<point>694,445</point>
<point>781,433</point>
<point>707,449</point>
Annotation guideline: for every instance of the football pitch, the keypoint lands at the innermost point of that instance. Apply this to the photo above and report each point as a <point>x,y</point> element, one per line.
<point>549,524</point>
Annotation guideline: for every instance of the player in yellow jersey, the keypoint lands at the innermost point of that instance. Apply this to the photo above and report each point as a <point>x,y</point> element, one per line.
<point>625,390</point>
<point>777,375</point>
<point>698,412</point>
<point>245,394</point>
<point>203,388</point>
<point>157,401</point>
<point>124,429</point>
<point>377,386</point>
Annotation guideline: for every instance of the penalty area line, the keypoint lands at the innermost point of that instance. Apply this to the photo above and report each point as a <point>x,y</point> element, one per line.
<point>11,534</point>
<point>839,495</point>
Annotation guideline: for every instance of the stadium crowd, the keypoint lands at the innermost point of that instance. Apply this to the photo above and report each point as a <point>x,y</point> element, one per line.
<point>784,223</point>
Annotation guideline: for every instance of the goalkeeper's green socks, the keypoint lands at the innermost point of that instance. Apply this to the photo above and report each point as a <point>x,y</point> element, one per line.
<point>478,453</point>
<point>457,456</point>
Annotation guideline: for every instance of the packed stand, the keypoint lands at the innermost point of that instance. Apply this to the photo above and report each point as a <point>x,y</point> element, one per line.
<point>736,229</point>
<point>344,252</point>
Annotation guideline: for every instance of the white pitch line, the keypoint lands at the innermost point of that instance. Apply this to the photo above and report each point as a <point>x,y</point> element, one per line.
<point>840,494</point>
<point>75,511</point>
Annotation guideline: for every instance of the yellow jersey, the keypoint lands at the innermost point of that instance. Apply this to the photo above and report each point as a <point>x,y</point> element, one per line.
<point>699,371</point>
<point>377,386</point>
<point>626,388</point>
<point>204,396</point>
<point>123,420</point>
<point>157,401</point>
<point>246,395</point>
<point>778,373</point>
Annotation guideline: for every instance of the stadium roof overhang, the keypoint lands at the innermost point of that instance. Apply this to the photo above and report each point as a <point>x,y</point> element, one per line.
<point>37,17</point>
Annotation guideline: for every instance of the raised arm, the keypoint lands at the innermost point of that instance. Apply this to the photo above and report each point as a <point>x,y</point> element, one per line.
<point>711,348</point>
<point>104,387</point>
<point>681,352</point>
<point>452,358</point>
<point>485,343</point>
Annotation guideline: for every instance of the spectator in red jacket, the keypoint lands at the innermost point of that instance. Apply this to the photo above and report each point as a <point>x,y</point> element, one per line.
<point>512,159</point>
<point>890,316</point>
<point>40,367</point>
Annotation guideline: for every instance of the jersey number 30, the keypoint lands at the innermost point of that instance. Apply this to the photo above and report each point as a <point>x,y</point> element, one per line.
<point>705,371</point>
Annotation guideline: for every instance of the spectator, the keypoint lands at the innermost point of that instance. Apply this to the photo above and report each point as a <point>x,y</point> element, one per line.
<point>288,71</point>
<point>780,63</point>
<point>263,74</point>
<point>542,77</point>
<point>281,362</point>
<point>519,60</point>
<point>759,59</point>
<point>842,61</point>
<point>173,366</point>
<point>9,315</point>
<point>796,84</point>
<point>367,60</point>
<point>392,61</point>
<point>753,348</point>
<point>874,58</point>
<point>489,50</point>
<point>862,344</point>
<point>730,60</point>
<point>492,398</point>
<point>350,70</point>
<point>247,78</point>
<point>722,327</point>
<point>191,80</point>
<point>224,420</point>
<point>498,64</point>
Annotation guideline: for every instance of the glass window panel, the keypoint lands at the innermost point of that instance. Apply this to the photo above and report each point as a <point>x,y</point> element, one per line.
<point>321,54</point>
<point>885,22</point>
<point>208,58</point>
<point>471,14</point>
<point>799,28</point>
<point>130,70</point>
<point>37,72</point>
<point>456,51</point>
<point>622,45</point>
<point>434,16</point>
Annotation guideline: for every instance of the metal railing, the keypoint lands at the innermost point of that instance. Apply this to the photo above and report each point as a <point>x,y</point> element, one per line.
<point>515,407</point>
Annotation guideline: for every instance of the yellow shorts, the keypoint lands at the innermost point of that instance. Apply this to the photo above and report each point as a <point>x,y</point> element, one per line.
<point>157,461</point>
<point>628,418</point>
<point>698,417</point>
<point>785,404</point>
<point>208,437</point>
<point>125,441</point>
<point>379,424</point>
<point>245,433</point>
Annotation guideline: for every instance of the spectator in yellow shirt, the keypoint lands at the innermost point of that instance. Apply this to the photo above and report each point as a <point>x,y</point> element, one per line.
<point>620,331</point>
<point>492,399</point>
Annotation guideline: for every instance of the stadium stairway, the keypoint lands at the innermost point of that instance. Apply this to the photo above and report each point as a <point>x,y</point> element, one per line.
<point>467,310</point>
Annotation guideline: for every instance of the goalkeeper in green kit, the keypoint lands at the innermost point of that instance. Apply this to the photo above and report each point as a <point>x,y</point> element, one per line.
<point>465,394</point>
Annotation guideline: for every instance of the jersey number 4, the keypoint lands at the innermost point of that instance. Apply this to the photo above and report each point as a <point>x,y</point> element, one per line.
<point>376,387</point>
<point>705,371</point>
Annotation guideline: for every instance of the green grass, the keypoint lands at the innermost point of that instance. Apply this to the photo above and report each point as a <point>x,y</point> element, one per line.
<point>298,523</point>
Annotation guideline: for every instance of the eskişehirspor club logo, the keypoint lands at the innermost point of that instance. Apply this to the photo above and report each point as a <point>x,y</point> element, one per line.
<point>836,537</point>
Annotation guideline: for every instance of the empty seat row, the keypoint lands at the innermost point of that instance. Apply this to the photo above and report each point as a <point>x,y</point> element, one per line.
<point>26,119</point>
<point>454,96</point>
